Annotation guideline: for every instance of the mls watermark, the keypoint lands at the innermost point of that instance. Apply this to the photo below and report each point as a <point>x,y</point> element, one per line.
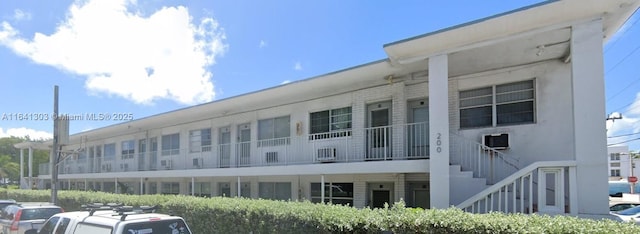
<point>35,116</point>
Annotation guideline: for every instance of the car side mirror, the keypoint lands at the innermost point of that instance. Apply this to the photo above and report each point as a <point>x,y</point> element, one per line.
<point>31,231</point>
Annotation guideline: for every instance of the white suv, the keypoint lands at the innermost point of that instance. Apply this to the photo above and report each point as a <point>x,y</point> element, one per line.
<point>113,220</point>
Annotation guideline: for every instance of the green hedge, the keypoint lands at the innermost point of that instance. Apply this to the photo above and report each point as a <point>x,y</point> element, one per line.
<point>240,215</point>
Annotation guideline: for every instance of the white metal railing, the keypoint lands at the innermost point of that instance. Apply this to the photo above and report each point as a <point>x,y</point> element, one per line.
<point>378,143</point>
<point>540,187</point>
<point>483,161</point>
<point>408,141</point>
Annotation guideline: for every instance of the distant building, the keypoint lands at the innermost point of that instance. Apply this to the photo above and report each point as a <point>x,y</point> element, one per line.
<point>503,113</point>
<point>620,166</point>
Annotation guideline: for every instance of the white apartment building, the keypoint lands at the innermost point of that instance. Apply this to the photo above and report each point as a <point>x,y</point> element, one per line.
<point>620,163</point>
<point>502,113</point>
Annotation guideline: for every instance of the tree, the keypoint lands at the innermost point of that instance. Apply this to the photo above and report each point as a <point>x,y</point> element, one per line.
<point>10,159</point>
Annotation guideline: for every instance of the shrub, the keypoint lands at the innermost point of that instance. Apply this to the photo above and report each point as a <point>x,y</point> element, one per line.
<point>241,215</point>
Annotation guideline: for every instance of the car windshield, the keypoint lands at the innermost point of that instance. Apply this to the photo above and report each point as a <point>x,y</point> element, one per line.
<point>630,211</point>
<point>173,226</point>
<point>38,213</point>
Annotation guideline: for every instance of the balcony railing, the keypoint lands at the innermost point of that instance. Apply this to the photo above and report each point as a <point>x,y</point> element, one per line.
<point>400,142</point>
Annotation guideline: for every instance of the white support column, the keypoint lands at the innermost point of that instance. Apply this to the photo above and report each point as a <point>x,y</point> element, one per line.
<point>141,186</point>
<point>589,130</point>
<point>239,188</point>
<point>322,189</point>
<point>193,186</point>
<point>85,185</point>
<point>115,185</point>
<point>439,131</point>
<point>22,169</point>
<point>573,189</point>
<point>30,167</point>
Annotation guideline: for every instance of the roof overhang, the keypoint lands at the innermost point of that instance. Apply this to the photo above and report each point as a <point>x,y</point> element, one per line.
<point>539,17</point>
<point>33,145</point>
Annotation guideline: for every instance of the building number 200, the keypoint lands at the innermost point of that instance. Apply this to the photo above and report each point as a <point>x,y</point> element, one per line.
<point>438,142</point>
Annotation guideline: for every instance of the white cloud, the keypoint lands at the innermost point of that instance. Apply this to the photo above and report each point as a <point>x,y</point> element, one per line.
<point>262,44</point>
<point>163,56</point>
<point>19,15</point>
<point>22,132</point>
<point>285,82</point>
<point>297,66</point>
<point>625,127</point>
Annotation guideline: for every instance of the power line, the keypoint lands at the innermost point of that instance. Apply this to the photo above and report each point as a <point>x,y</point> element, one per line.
<point>635,139</point>
<point>625,88</point>
<point>630,134</point>
<point>629,28</point>
<point>623,59</point>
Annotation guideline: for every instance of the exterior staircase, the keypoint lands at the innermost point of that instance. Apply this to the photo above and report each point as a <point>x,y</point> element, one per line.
<point>485,180</point>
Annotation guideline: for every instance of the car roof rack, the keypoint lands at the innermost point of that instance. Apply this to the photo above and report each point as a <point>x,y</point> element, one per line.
<point>120,209</point>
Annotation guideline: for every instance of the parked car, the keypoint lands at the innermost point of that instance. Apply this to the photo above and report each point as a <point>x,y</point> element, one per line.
<point>623,206</point>
<point>18,218</point>
<point>629,215</point>
<point>113,220</point>
<point>5,203</point>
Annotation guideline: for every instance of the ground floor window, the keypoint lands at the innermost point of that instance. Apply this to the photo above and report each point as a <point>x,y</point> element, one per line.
<point>245,189</point>
<point>275,190</point>
<point>335,193</point>
<point>170,188</point>
<point>201,189</point>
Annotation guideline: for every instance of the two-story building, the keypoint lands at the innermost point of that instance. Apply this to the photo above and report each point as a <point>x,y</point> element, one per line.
<point>503,113</point>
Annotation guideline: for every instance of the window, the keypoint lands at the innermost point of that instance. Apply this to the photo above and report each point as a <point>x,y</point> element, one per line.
<point>170,188</point>
<point>274,131</point>
<point>615,172</point>
<point>200,140</point>
<point>171,144</point>
<point>201,189</point>
<point>615,164</point>
<point>512,104</point>
<point>330,123</point>
<point>335,193</point>
<point>128,149</point>
<point>110,151</point>
<point>275,190</point>
<point>615,156</point>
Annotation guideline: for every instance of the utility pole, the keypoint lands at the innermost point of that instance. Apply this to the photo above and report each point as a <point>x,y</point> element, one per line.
<point>53,160</point>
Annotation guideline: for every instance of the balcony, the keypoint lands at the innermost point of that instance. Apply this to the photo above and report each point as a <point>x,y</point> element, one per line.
<point>400,142</point>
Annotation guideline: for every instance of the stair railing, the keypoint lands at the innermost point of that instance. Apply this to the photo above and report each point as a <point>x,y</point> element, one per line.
<point>539,187</point>
<point>485,162</point>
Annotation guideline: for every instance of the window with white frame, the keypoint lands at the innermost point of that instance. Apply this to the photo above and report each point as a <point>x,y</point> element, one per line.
<point>110,151</point>
<point>334,193</point>
<point>615,172</point>
<point>274,131</point>
<point>200,140</point>
<point>498,105</point>
<point>171,144</point>
<point>330,123</point>
<point>275,190</point>
<point>615,156</point>
<point>170,188</point>
<point>128,149</point>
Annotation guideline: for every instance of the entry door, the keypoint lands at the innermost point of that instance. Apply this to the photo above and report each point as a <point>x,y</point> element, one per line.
<point>380,197</point>
<point>418,129</point>
<point>153,153</point>
<point>379,131</point>
<point>244,144</point>
<point>224,146</point>
<point>142,152</point>
<point>421,198</point>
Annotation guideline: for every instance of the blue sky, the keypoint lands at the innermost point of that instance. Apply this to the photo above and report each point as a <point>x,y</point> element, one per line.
<point>142,58</point>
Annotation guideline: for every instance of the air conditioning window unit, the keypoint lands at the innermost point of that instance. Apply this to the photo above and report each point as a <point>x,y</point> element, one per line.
<point>197,162</point>
<point>326,154</point>
<point>496,141</point>
<point>271,157</point>
<point>166,163</point>
<point>106,167</point>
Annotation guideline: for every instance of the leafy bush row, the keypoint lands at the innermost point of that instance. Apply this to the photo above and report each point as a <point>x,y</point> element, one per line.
<point>241,215</point>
